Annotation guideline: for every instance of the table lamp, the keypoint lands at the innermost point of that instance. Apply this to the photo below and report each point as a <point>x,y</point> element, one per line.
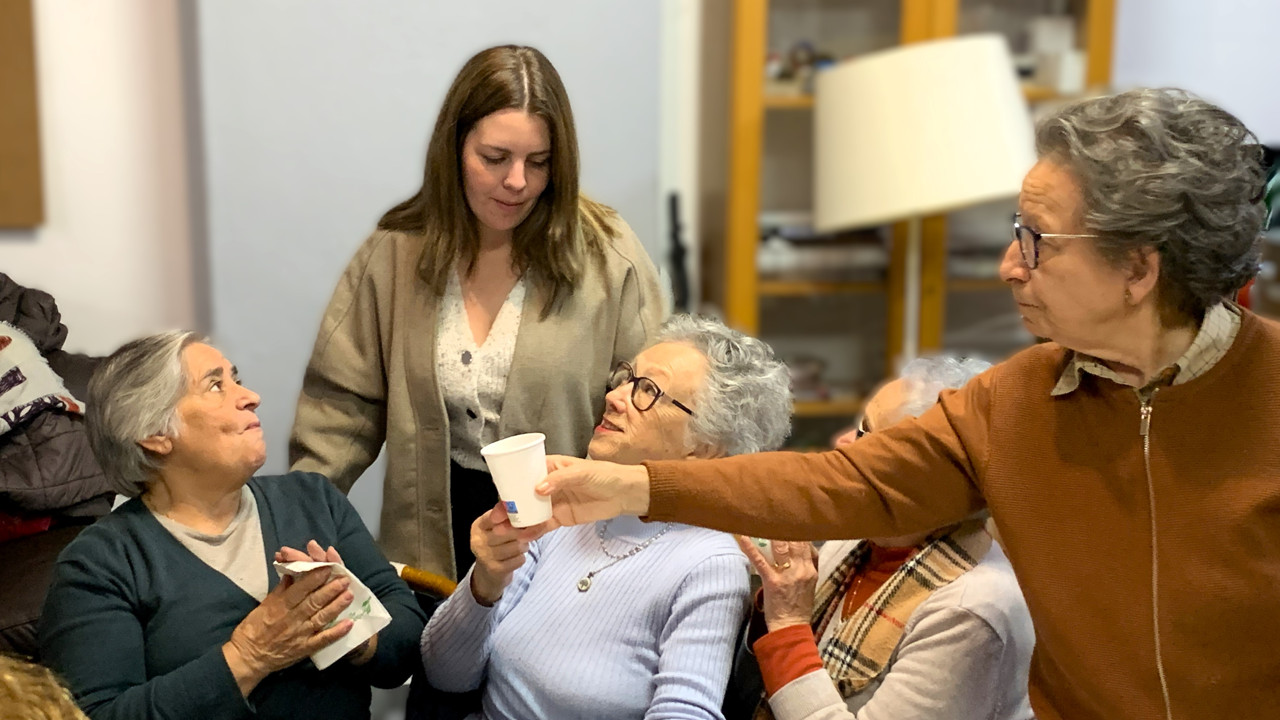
<point>918,130</point>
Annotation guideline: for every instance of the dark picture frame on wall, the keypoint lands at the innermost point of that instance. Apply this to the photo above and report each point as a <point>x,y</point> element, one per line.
<point>21,188</point>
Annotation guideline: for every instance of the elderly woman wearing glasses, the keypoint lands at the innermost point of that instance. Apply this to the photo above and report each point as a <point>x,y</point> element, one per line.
<point>1130,463</point>
<point>927,625</point>
<point>621,619</point>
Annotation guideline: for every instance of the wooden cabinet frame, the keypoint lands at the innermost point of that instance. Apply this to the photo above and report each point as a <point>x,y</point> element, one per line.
<point>748,104</point>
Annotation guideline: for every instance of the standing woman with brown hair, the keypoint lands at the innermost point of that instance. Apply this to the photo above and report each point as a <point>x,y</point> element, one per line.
<point>495,301</point>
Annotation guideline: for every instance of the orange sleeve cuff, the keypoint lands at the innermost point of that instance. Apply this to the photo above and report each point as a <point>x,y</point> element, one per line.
<point>786,654</point>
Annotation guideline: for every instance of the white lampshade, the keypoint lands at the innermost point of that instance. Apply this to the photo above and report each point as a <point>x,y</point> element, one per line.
<point>918,130</point>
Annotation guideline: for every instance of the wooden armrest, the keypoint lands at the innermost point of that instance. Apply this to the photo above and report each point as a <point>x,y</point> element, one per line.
<point>426,582</point>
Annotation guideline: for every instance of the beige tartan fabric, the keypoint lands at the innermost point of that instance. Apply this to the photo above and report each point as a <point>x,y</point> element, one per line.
<point>860,649</point>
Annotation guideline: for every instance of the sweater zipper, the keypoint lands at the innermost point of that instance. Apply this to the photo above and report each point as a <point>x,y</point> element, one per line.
<point>1144,429</point>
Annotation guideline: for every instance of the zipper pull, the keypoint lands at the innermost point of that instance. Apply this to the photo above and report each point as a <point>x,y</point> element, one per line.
<point>1144,425</point>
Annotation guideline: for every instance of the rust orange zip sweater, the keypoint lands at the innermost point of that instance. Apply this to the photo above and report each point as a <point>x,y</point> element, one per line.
<point>1108,574</point>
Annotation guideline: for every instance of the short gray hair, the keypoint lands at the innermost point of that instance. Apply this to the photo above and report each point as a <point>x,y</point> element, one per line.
<point>133,395</point>
<point>1166,170</point>
<point>745,404</point>
<point>924,378</point>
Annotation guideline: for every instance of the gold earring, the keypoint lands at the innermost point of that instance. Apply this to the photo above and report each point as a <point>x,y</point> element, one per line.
<point>1128,296</point>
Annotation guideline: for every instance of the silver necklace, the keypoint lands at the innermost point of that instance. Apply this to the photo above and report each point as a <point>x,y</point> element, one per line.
<point>585,583</point>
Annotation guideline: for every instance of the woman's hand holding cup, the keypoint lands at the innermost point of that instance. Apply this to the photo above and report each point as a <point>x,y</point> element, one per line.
<point>291,623</point>
<point>315,553</point>
<point>499,549</point>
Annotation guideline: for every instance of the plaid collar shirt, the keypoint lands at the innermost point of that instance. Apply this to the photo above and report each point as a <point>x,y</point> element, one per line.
<point>1217,332</point>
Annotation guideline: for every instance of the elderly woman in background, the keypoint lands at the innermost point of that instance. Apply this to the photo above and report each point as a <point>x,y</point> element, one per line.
<point>922,626</point>
<point>621,619</point>
<point>168,607</point>
<point>1130,464</point>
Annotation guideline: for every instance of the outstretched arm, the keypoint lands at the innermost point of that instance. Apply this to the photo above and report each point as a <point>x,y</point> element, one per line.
<point>918,475</point>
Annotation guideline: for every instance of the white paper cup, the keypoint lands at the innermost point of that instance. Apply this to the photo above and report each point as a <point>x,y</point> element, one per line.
<point>517,464</point>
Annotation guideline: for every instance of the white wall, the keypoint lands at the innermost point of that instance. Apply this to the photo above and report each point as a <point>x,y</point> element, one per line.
<point>315,118</point>
<point>680,102</point>
<point>1222,51</point>
<point>115,248</point>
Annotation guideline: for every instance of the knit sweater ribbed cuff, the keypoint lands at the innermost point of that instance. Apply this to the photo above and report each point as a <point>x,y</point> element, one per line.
<point>663,479</point>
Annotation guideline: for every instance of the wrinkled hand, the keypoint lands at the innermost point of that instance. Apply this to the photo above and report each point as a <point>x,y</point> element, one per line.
<point>584,491</point>
<point>361,653</point>
<point>291,623</point>
<point>314,553</point>
<point>789,582</point>
<point>499,548</point>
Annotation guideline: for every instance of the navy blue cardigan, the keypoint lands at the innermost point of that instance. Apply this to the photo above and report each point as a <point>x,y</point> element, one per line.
<point>135,622</point>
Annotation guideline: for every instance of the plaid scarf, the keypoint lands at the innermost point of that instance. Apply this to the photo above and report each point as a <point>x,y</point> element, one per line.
<point>863,645</point>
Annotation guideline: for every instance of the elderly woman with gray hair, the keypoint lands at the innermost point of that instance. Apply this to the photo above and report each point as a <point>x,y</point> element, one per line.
<point>1130,463</point>
<point>620,619</point>
<point>926,625</point>
<point>168,607</point>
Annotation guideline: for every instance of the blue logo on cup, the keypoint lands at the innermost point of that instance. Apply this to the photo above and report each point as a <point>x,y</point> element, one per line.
<point>511,506</point>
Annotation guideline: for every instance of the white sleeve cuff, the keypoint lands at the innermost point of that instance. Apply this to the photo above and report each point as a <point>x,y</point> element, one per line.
<point>811,695</point>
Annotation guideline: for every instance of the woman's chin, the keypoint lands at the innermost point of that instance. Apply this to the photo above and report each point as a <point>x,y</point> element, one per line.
<point>601,447</point>
<point>256,463</point>
<point>1033,325</point>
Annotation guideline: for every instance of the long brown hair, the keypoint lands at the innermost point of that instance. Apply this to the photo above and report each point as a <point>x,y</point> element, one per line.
<point>563,230</point>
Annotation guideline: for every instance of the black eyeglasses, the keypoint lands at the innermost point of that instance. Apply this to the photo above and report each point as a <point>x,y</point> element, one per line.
<point>644,392</point>
<point>1029,241</point>
<point>862,428</point>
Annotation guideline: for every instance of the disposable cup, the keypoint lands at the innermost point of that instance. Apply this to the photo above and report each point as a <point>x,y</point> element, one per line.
<point>517,464</point>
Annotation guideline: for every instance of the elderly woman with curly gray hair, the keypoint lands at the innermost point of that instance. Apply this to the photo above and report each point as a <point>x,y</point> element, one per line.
<point>169,607</point>
<point>620,619</point>
<point>1130,463</point>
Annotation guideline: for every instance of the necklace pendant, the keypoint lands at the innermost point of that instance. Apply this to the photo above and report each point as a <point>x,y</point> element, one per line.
<point>584,584</point>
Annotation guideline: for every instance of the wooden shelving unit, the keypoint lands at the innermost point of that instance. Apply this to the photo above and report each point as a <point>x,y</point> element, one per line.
<point>813,288</point>
<point>976,285</point>
<point>838,407</point>
<point>821,288</point>
<point>1038,93</point>
<point>751,108</point>
<point>788,102</point>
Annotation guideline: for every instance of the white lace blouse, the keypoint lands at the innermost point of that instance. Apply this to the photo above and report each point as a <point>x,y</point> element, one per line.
<point>473,378</point>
